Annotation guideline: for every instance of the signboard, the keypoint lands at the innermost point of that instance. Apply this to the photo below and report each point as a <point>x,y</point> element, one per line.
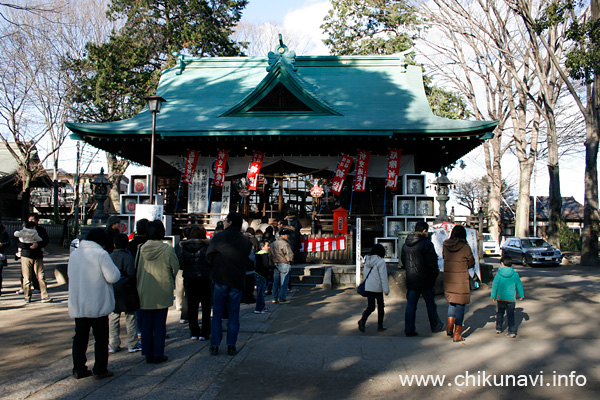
<point>358,249</point>
<point>151,212</point>
<point>198,191</point>
<point>226,198</point>
<point>442,231</point>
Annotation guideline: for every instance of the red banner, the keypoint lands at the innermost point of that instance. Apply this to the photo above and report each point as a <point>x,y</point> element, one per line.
<point>254,169</point>
<point>220,164</point>
<point>340,174</point>
<point>360,174</point>
<point>189,167</point>
<point>391,180</point>
<point>323,244</point>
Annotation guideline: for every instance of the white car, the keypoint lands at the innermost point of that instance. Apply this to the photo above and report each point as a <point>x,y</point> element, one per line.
<point>490,246</point>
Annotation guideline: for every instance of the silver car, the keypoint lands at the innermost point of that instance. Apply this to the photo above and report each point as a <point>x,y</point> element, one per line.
<point>531,251</point>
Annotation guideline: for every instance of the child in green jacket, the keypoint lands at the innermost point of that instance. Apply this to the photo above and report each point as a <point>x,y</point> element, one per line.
<point>504,289</point>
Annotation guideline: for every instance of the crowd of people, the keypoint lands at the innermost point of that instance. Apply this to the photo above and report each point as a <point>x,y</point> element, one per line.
<point>111,275</point>
<point>419,258</point>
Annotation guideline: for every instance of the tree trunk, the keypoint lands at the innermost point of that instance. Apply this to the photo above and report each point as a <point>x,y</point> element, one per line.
<point>116,170</point>
<point>55,189</point>
<point>25,197</point>
<point>589,249</point>
<point>494,174</point>
<point>554,199</point>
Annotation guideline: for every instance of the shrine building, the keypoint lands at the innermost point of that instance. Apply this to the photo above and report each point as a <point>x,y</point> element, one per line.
<point>303,114</point>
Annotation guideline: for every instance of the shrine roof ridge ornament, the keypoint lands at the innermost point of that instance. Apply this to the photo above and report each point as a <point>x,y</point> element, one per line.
<point>282,54</point>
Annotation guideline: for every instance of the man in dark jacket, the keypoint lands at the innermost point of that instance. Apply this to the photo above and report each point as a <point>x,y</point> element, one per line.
<point>228,254</point>
<point>126,298</point>
<point>139,237</point>
<point>112,229</point>
<point>32,262</point>
<point>196,280</point>
<point>421,263</point>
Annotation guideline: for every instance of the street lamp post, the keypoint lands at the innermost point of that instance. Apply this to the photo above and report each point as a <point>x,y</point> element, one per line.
<point>154,103</point>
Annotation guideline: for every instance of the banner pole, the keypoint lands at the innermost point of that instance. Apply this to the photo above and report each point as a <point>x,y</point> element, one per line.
<point>178,191</point>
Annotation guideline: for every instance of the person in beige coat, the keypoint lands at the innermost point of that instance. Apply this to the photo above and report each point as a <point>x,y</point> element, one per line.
<point>376,284</point>
<point>157,266</point>
<point>458,258</point>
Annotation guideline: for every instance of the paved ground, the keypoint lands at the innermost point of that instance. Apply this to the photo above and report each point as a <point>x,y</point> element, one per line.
<point>312,349</point>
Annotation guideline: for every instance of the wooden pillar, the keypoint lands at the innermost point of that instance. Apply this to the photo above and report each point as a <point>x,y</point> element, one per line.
<point>280,205</point>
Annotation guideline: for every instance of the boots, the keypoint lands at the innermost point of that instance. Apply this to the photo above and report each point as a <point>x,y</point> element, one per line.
<point>450,327</point>
<point>457,336</point>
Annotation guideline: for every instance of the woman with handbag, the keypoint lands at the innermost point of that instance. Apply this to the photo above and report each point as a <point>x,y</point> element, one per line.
<point>376,284</point>
<point>458,259</point>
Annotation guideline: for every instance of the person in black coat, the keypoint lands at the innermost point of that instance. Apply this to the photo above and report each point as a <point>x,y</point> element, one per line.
<point>228,254</point>
<point>126,298</point>
<point>421,263</point>
<point>196,280</point>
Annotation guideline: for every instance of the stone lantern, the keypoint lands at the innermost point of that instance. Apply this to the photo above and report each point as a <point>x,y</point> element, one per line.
<point>442,188</point>
<point>100,187</point>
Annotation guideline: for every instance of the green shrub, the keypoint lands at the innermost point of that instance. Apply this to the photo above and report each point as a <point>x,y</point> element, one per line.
<point>569,240</point>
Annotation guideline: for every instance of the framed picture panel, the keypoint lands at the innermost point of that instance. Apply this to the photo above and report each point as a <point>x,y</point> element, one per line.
<point>390,245</point>
<point>411,223</point>
<point>139,184</point>
<point>393,226</point>
<point>404,206</point>
<point>414,184</point>
<point>424,207</point>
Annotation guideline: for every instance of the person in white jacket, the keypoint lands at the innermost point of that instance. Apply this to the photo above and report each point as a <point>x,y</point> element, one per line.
<point>91,300</point>
<point>376,284</point>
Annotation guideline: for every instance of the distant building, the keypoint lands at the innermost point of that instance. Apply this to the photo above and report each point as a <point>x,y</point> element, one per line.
<point>10,187</point>
<point>571,214</point>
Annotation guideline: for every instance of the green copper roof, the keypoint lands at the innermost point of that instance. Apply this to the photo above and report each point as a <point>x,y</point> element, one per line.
<point>353,95</point>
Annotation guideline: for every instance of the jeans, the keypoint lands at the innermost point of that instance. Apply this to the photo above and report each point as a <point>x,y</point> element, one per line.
<point>458,312</point>
<point>412,298</point>
<point>80,343</point>
<point>222,295</point>
<point>261,283</point>
<point>371,297</point>
<point>114,325</point>
<point>198,293</point>
<point>509,307</point>
<point>154,332</point>
<point>281,278</point>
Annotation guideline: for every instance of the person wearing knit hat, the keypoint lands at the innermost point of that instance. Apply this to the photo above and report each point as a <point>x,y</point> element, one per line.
<point>112,229</point>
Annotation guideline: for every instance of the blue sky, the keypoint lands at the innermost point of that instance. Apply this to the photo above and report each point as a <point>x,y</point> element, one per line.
<point>259,11</point>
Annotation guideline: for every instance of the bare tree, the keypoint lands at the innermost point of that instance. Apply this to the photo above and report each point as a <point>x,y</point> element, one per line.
<point>517,68</point>
<point>261,39</point>
<point>459,59</point>
<point>20,134</point>
<point>582,20</point>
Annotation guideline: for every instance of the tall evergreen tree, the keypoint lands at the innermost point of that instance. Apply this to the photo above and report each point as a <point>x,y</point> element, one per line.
<point>369,27</point>
<point>110,83</point>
